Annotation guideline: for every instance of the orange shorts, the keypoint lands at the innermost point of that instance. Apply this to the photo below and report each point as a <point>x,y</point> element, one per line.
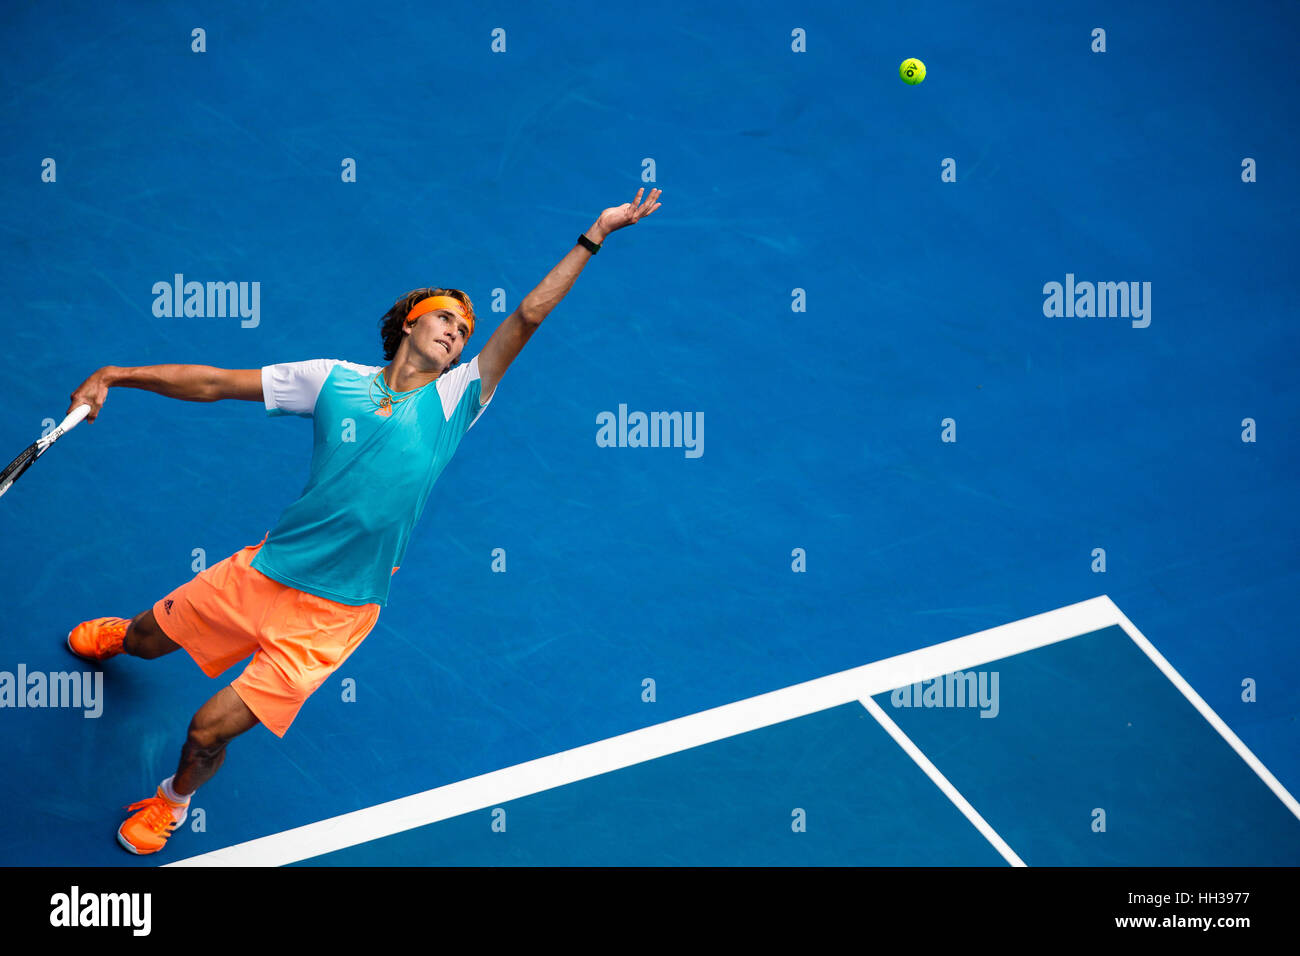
<point>297,639</point>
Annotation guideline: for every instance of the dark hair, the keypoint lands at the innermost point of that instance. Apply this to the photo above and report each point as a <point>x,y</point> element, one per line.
<point>390,326</point>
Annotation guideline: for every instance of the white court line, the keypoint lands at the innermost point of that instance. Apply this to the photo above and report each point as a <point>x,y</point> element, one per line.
<point>1216,722</point>
<point>649,743</point>
<point>942,782</point>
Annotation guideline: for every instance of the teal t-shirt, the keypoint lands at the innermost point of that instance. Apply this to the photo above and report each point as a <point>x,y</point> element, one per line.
<point>371,474</point>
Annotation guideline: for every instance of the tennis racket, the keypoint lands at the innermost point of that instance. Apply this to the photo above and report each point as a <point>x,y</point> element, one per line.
<point>38,447</point>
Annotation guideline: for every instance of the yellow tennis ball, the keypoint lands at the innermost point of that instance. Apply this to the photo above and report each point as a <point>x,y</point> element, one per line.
<point>912,71</point>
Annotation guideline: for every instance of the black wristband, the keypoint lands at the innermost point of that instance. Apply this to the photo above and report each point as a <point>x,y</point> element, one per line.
<point>592,247</point>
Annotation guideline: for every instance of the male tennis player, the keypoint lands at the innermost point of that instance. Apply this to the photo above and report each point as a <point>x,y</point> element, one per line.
<point>303,599</point>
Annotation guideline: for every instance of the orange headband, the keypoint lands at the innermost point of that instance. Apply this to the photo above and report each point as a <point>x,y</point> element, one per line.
<point>436,302</point>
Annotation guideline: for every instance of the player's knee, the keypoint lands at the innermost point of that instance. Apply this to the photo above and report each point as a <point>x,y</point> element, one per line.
<point>205,738</point>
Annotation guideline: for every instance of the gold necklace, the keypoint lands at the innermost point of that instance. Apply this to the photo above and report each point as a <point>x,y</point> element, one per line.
<point>386,403</point>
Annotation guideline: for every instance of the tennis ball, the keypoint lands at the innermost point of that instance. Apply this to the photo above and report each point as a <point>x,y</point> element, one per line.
<point>912,71</point>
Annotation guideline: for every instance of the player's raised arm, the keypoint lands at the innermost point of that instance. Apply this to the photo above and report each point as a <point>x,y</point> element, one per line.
<point>191,383</point>
<point>512,334</point>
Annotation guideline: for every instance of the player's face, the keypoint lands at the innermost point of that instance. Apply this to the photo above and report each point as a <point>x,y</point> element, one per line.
<point>440,336</point>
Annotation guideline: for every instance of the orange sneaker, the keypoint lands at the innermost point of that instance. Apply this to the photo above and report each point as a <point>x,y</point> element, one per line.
<point>99,639</point>
<point>147,830</point>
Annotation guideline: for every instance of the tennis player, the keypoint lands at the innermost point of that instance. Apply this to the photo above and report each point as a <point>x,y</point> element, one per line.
<point>302,600</point>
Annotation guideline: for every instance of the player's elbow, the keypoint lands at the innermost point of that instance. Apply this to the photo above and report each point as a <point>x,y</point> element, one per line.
<point>532,319</point>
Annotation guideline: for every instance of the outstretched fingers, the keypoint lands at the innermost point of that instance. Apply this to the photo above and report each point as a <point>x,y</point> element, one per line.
<point>639,210</point>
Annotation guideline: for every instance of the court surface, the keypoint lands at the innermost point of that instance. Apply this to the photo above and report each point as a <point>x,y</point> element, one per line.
<point>837,771</point>
<point>816,292</point>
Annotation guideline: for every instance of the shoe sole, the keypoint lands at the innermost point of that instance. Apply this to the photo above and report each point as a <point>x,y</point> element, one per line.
<point>126,844</point>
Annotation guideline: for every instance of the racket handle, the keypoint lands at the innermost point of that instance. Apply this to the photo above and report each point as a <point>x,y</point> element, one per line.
<point>73,419</point>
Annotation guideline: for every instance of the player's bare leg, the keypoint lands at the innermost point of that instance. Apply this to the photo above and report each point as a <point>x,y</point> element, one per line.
<point>145,639</point>
<point>105,637</point>
<point>219,721</point>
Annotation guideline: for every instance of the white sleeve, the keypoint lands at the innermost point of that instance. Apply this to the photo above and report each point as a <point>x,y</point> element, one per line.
<point>292,388</point>
<point>460,391</point>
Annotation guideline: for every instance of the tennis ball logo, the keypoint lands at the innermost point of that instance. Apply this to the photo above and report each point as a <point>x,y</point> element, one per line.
<point>912,71</point>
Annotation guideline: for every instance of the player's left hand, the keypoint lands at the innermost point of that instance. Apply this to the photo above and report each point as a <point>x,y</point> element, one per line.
<point>616,217</point>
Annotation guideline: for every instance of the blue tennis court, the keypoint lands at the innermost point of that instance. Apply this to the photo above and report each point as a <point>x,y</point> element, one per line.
<point>997,762</point>
<point>991,393</point>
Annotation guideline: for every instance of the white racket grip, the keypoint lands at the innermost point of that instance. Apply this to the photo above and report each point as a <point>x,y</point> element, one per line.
<point>73,419</point>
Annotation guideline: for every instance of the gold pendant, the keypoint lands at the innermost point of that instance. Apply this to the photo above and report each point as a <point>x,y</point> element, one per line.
<point>385,407</point>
